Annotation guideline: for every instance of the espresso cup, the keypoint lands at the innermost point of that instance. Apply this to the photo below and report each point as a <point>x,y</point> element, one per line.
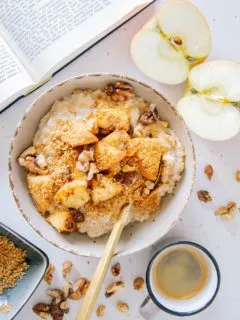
<point>200,269</point>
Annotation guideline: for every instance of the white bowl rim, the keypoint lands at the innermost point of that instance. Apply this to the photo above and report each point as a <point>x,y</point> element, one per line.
<point>123,78</point>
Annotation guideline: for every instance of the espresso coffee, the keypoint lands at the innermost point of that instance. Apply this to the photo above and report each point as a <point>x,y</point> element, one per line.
<point>180,272</point>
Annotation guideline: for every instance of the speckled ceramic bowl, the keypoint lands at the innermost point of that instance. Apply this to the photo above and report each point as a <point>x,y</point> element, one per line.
<point>135,237</point>
<point>38,263</point>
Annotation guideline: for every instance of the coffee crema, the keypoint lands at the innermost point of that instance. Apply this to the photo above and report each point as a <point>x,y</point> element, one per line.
<point>180,272</point>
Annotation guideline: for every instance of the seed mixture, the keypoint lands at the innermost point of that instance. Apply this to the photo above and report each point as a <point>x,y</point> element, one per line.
<point>13,263</point>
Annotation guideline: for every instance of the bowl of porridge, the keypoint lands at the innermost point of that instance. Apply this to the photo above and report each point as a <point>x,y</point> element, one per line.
<point>89,146</point>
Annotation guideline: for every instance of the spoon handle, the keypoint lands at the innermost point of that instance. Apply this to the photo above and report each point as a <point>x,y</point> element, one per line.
<point>86,308</point>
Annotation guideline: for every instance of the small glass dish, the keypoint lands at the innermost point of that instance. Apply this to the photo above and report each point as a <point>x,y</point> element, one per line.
<point>38,263</point>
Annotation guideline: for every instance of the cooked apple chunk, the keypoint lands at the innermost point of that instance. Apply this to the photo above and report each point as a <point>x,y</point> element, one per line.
<point>105,189</point>
<point>42,191</point>
<point>73,194</point>
<point>120,140</point>
<point>107,156</point>
<point>113,118</point>
<point>77,134</point>
<point>62,221</point>
<point>148,152</point>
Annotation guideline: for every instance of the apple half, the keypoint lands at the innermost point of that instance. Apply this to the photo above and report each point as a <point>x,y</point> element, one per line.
<point>211,104</point>
<point>175,39</point>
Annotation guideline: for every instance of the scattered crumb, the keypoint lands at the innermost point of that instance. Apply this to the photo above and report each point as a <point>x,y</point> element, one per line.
<point>138,283</point>
<point>238,176</point>
<point>204,196</point>
<point>116,269</point>
<point>100,310</point>
<point>227,212</point>
<point>208,170</point>
<point>48,276</point>
<point>5,308</point>
<point>122,307</point>
<point>67,267</point>
<point>113,288</point>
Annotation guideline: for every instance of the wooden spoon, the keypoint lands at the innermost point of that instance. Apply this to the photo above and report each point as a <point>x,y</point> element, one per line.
<point>86,308</point>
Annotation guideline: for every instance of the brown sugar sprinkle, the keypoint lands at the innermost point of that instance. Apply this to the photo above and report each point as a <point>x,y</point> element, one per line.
<point>13,263</point>
<point>204,196</point>
<point>138,283</point>
<point>208,170</point>
<point>100,310</point>
<point>226,212</point>
<point>5,308</point>
<point>238,176</point>
<point>49,274</point>
<point>116,268</point>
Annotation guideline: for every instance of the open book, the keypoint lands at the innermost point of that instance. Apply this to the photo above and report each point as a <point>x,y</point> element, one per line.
<point>38,37</point>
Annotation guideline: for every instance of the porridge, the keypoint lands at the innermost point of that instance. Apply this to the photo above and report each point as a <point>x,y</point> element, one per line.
<point>94,152</point>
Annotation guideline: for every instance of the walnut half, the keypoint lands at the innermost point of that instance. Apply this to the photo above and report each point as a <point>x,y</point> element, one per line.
<point>113,288</point>
<point>204,196</point>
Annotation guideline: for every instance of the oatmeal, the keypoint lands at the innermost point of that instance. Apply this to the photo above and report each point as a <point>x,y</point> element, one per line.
<point>94,152</point>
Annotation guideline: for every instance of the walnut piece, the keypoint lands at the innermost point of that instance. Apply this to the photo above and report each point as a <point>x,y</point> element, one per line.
<point>138,283</point>
<point>226,212</point>
<point>79,289</point>
<point>238,176</point>
<point>48,276</point>
<point>116,269</point>
<point>204,196</point>
<point>113,288</point>
<point>56,294</point>
<point>42,310</point>
<point>147,117</point>
<point>208,170</point>
<point>122,307</point>
<point>67,267</point>
<point>100,310</point>
<point>119,91</point>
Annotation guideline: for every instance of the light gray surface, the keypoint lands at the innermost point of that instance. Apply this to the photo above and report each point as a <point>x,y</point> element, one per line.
<point>198,223</point>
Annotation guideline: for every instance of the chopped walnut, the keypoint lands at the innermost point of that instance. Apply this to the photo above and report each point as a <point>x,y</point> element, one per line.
<point>138,283</point>
<point>204,196</point>
<point>79,289</point>
<point>226,212</point>
<point>41,161</point>
<point>100,310</point>
<point>57,313</point>
<point>66,289</point>
<point>92,171</point>
<point>122,307</point>
<point>56,294</point>
<point>116,269</point>
<point>67,267</point>
<point>120,91</point>
<point>238,176</point>
<point>77,215</point>
<point>42,310</point>
<point>84,159</point>
<point>30,163</point>
<point>208,170</point>
<point>113,288</point>
<point>64,305</point>
<point>147,117</point>
<point>49,274</point>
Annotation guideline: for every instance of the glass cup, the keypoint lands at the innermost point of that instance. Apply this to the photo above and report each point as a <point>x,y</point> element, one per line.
<point>157,301</point>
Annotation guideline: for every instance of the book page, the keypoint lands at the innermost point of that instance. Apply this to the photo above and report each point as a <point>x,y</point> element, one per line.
<point>45,33</point>
<point>13,76</point>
